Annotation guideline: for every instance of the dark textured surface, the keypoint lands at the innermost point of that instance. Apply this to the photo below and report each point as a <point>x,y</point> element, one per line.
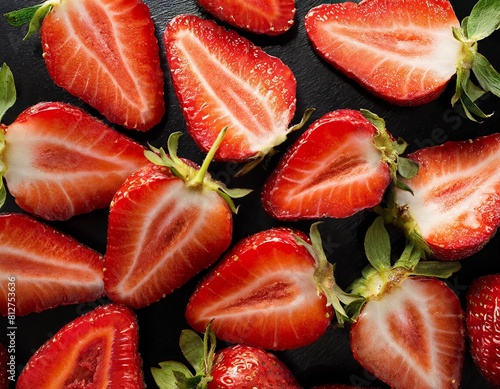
<point>319,86</point>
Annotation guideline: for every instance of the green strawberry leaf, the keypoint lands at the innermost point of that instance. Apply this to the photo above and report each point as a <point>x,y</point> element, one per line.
<point>191,346</point>
<point>407,168</point>
<point>7,90</point>
<point>483,20</point>
<point>378,245</point>
<point>440,269</point>
<point>486,75</point>
<point>167,374</point>
<point>410,257</point>
<point>20,17</point>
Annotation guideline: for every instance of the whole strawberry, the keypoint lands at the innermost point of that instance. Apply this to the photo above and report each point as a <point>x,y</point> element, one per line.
<point>234,367</point>
<point>483,325</point>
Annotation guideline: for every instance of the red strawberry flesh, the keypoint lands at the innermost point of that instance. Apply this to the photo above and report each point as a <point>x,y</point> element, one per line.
<point>333,170</point>
<point>403,51</point>
<point>222,80</point>
<point>106,53</point>
<point>62,162</point>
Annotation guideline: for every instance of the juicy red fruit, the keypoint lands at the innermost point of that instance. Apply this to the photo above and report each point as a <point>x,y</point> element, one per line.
<point>262,293</point>
<point>332,170</point>
<point>223,80</point>
<point>402,51</point>
<point>271,17</point>
<point>62,162</point>
<point>483,327</point>
<point>96,350</point>
<point>106,53</point>
<point>48,268</point>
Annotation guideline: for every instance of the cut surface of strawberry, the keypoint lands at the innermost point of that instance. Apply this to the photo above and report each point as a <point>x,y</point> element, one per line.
<point>96,350</point>
<point>63,162</point>
<point>166,224</point>
<point>271,17</point>
<point>223,80</point>
<point>266,292</point>
<point>106,53</point>
<point>333,170</point>
<point>402,51</point>
<point>48,268</point>
<point>455,206</point>
<point>412,337</point>
<point>483,300</point>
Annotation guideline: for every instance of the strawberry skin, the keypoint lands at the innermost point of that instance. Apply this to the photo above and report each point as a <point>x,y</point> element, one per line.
<point>456,204</point>
<point>63,162</point>
<point>483,299</point>
<point>262,293</point>
<point>245,367</point>
<point>161,234</point>
<point>223,80</point>
<point>96,350</point>
<point>332,170</point>
<point>403,51</point>
<point>271,17</point>
<point>105,52</point>
<point>47,267</point>
<point>412,336</point>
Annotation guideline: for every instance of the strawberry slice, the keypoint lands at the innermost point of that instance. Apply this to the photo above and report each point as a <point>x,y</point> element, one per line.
<point>455,207</point>
<point>234,367</point>
<point>44,267</point>
<point>106,53</point>
<point>406,51</point>
<point>341,165</point>
<point>270,17</point>
<point>483,300</point>
<point>61,162</point>
<point>271,290</point>
<point>410,331</point>
<point>167,222</point>
<point>96,350</point>
<point>223,80</point>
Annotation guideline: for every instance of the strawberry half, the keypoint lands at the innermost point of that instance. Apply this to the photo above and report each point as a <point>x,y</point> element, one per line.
<point>234,367</point>
<point>406,51</point>
<point>455,207</point>
<point>45,267</point>
<point>58,161</point>
<point>166,223</point>
<point>271,290</point>
<point>270,17</point>
<point>96,350</point>
<point>341,165</point>
<point>410,331</point>
<point>483,299</point>
<point>223,80</point>
<point>106,53</point>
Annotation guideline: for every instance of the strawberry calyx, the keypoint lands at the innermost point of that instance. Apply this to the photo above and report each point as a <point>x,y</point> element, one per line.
<point>481,23</point>
<point>33,16</point>
<point>267,152</point>
<point>391,151</point>
<point>199,353</point>
<point>195,178</point>
<point>7,100</point>
<point>382,274</point>
<point>324,276</point>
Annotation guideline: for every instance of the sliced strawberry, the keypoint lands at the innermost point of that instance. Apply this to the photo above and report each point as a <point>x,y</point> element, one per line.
<point>338,167</point>
<point>455,206</point>
<point>410,331</point>
<point>63,162</point>
<point>106,53</point>
<point>222,80</point>
<point>483,300</point>
<point>234,367</point>
<point>166,223</point>
<point>96,350</point>
<point>4,359</point>
<point>402,51</point>
<point>45,267</point>
<point>267,292</point>
<point>271,17</point>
